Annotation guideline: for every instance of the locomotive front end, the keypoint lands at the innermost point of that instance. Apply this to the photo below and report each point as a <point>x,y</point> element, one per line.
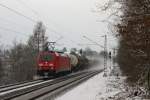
<point>46,64</point>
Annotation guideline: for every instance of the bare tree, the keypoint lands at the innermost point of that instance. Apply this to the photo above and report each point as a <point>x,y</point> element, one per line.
<point>39,38</point>
<point>24,55</point>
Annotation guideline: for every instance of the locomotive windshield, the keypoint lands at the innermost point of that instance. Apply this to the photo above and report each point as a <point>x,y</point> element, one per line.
<point>46,57</point>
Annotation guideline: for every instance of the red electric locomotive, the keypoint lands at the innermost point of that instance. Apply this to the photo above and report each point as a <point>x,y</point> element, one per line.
<point>52,62</point>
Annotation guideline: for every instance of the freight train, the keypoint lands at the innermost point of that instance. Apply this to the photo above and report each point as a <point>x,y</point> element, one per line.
<point>50,63</point>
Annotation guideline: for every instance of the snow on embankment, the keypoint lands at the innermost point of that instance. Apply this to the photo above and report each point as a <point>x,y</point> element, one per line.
<point>96,88</point>
<point>112,87</point>
<point>87,90</point>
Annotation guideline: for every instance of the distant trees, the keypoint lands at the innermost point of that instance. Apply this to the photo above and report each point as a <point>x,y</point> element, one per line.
<point>88,51</point>
<point>102,53</point>
<point>20,69</point>
<point>4,65</point>
<point>24,55</point>
<point>64,49</point>
<point>21,58</point>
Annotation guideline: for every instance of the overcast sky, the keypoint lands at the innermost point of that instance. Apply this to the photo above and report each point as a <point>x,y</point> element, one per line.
<point>70,18</point>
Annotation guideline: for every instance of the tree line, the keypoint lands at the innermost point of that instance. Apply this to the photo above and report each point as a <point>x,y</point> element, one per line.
<point>133,32</point>
<point>19,62</point>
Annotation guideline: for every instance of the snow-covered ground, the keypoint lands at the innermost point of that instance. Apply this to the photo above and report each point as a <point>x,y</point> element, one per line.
<point>112,87</point>
<point>96,88</point>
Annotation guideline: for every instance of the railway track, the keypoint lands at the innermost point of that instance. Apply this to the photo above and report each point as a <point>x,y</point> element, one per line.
<point>17,85</point>
<point>9,85</point>
<point>46,89</point>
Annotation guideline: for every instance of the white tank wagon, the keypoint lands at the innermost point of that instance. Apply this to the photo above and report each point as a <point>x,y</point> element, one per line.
<point>73,60</point>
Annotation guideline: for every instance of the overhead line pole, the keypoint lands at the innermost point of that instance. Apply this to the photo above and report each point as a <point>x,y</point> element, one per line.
<point>105,52</point>
<point>105,55</point>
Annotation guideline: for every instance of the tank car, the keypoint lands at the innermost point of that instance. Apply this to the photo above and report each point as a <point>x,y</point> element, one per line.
<point>73,61</point>
<point>78,61</point>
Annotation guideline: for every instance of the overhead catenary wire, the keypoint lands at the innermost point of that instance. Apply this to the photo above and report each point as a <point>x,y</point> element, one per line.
<point>38,15</point>
<point>31,9</point>
<point>8,21</point>
<point>93,41</point>
<point>28,18</point>
<point>54,31</point>
<point>18,13</point>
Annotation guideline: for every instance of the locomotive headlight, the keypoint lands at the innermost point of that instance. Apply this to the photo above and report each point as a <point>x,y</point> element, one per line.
<point>40,64</point>
<point>51,64</point>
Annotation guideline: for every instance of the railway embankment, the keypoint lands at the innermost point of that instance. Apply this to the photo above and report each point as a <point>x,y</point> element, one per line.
<point>112,87</point>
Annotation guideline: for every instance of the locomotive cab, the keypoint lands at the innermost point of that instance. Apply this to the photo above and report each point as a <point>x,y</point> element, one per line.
<point>46,63</point>
<point>50,63</point>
